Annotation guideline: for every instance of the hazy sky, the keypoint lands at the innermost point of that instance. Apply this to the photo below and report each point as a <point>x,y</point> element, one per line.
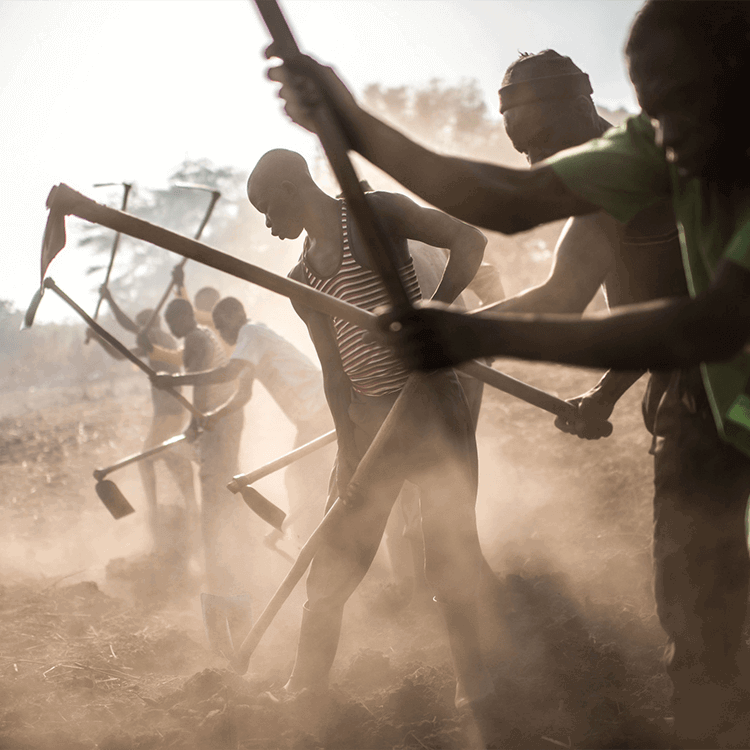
<point>111,91</point>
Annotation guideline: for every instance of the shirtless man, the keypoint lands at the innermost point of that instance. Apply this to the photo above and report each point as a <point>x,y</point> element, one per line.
<point>169,419</point>
<point>291,379</point>
<point>435,445</point>
<point>689,63</point>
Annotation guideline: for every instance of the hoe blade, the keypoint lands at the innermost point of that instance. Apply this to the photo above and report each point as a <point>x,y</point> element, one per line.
<point>28,319</point>
<point>263,507</point>
<point>114,501</point>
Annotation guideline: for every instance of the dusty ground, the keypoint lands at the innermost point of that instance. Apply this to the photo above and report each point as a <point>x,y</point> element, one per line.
<point>89,660</point>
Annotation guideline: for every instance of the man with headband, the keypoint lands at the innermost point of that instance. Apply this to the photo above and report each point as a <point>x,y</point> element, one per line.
<point>546,105</point>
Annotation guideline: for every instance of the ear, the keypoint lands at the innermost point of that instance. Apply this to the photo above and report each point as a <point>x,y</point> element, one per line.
<point>585,106</point>
<point>288,188</point>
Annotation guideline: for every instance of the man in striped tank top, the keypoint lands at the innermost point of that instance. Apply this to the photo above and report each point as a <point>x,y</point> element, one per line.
<point>435,447</point>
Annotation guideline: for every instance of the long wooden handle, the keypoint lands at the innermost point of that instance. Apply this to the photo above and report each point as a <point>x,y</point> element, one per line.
<point>99,474</point>
<point>215,195</point>
<point>333,139</point>
<point>242,480</point>
<point>115,344</point>
<point>64,200</point>
<point>115,245</point>
<point>68,201</point>
<point>363,476</point>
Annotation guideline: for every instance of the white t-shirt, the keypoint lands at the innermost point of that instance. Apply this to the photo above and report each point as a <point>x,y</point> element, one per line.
<point>293,381</point>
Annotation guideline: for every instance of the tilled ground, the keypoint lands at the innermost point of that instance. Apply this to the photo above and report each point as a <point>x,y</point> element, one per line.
<point>90,662</point>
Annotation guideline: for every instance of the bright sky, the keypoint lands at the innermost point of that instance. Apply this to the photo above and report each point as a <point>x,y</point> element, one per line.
<point>124,90</point>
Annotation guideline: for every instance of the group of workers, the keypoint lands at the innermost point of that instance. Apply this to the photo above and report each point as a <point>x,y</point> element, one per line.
<point>659,213</point>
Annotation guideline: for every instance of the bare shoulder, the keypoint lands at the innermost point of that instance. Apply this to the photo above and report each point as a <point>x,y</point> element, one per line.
<point>388,204</point>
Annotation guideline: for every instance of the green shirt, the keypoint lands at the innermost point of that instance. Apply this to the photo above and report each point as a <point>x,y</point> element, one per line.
<point>625,172</point>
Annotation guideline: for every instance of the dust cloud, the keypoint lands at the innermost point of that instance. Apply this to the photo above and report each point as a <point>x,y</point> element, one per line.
<point>113,637</point>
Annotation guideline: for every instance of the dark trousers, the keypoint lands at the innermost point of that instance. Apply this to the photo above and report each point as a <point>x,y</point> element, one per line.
<point>701,561</point>
<point>435,449</point>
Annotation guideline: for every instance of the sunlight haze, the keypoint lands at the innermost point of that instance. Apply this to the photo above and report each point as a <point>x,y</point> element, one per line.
<point>112,91</point>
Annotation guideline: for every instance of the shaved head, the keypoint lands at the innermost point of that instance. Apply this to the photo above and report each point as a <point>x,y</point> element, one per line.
<point>275,167</point>
<point>279,187</point>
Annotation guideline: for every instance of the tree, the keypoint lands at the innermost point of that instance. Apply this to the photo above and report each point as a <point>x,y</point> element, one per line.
<point>446,117</point>
<point>141,270</point>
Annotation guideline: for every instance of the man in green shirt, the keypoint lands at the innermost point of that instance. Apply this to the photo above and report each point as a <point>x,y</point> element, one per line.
<point>689,63</point>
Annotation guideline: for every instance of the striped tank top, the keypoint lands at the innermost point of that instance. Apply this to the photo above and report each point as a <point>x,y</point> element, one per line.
<point>372,369</point>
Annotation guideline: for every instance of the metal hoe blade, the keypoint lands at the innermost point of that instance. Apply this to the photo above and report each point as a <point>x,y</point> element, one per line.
<point>263,507</point>
<point>114,501</point>
<point>28,319</point>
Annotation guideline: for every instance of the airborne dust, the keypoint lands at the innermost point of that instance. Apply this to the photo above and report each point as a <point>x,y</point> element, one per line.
<point>103,644</point>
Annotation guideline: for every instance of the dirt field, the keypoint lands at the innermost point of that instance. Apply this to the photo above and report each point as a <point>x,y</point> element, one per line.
<point>119,661</point>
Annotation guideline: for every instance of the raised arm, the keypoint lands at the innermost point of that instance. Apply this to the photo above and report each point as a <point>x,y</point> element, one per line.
<point>582,260</point>
<point>486,195</point>
<point>120,316</point>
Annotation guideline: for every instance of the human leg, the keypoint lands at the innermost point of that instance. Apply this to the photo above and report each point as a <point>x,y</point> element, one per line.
<point>338,567</point>
<point>221,526</point>
<point>701,562</point>
<point>453,558</point>
<point>345,554</point>
<point>163,427</point>
<point>180,467</point>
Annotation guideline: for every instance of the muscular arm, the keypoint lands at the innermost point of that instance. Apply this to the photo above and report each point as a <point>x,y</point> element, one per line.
<point>663,334</point>
<point>583,258</point>
<point>486,195</point>
<point>336,384</point>
<point>612,386</point>
<point>120,316</point>
<point>234,369</point>
<point>245,379</point>
<point>159,354</point>
<point>464,243</point>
